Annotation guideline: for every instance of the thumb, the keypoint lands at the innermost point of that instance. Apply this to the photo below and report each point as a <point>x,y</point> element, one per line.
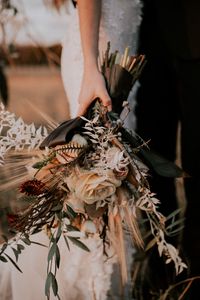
<point>106,100</point>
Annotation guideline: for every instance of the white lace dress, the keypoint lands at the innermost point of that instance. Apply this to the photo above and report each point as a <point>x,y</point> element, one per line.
<point>82,275</point>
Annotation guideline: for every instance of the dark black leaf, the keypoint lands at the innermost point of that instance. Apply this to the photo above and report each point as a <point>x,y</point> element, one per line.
<point>3,87</point>
<point>119,84</point>
<point>161,165</point>
<point>63,133</point>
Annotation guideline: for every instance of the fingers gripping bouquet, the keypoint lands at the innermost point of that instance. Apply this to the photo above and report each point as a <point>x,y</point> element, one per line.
<point>90,177</point>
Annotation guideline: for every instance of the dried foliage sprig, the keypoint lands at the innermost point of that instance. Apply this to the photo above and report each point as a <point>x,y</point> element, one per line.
<point>15,134</point>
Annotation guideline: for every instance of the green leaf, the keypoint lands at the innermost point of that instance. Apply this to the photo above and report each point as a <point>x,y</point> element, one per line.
<point>78,243</point>
<point>3,259</point>
<point>39,165</point>
<point>71,212</point>
<point>13,262</point>
<point>58,234</point>
<point>26,241</point>
<point>48,285</point>
<point>3,248</point>
<point>66,241</point>
<point>174,232</point>
<point>28,199</point>
<point>52,251</point>
<point>40,244</point>
<point>57,257</point>
<point>58,207</point>
<point>174,224</point>
<point>20,248</point>
<point>71,228</point>
<point>174,213</point>
<point>59,215</point>
<point>5,238</point>
<point>16,253</point>
<point>54,284</point>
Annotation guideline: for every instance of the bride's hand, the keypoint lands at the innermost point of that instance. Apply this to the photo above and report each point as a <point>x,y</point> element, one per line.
<point>93,86</point>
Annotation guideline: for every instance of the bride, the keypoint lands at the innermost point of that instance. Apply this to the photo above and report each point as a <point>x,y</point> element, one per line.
<point>82,276</point>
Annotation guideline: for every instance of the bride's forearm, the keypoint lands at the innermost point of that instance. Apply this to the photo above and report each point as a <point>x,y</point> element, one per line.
<point>89,19</point>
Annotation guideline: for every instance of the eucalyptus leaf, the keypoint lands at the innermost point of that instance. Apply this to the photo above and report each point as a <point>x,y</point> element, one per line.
<point>57,257</point>
<point>58,234</point>
<point>174,224</point>
<point>4,237</point>
<point>16,253</point>
<point>78,243</point>
<point>3,259</point>
<point>13,262</point>
<point>66,241</point>
<point>3,248</point>
<point>72,214</point>
<point>48,284</point>
<point>20,248</point>
<point>26,241</point>
<point>52,251</point>
<point>72,228</point>
<point>54,284</point>
<point>174,213</point>
<point>40,244</point>
<point>39,165</point>
<point>178,230</point>
<point>58,207</point>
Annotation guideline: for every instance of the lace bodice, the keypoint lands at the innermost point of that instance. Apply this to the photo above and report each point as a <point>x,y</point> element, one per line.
<point>119,23</point>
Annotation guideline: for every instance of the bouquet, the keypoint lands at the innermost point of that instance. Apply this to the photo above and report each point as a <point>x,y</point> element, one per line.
<point>90,177</point>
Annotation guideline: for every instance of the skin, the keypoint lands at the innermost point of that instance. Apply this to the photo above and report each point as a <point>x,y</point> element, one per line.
<point>93,84</point>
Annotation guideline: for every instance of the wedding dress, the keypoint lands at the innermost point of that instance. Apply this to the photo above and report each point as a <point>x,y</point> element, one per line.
<point>82,275</point>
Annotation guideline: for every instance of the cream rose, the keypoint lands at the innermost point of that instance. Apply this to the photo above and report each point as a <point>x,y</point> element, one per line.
<point>90,187</point>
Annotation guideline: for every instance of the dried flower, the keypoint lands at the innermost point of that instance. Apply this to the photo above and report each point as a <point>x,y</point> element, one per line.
<point>90,187</point>
<point>32,187</point>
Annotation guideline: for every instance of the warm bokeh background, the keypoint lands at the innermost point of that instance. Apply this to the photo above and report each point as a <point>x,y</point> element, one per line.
<point>30,52</point>
<point>31,34</point>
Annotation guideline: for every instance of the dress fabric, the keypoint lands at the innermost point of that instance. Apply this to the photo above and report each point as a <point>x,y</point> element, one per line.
<point>82,275</point>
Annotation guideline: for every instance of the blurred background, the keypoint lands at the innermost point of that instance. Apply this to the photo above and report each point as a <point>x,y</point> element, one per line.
<point>31,33</point>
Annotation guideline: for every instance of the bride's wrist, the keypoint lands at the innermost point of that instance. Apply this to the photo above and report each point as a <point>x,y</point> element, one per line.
<point>91,64</point>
